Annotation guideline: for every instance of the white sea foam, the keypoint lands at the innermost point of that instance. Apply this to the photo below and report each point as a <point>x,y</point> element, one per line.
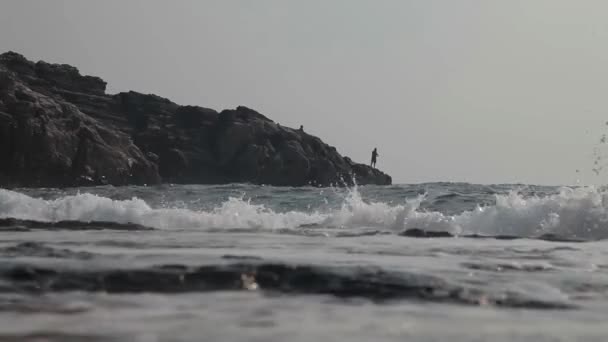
<point>580,212</point>
<point>234,213</point>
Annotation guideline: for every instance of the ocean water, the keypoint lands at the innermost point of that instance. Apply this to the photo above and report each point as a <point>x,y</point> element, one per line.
<point>424,262</point>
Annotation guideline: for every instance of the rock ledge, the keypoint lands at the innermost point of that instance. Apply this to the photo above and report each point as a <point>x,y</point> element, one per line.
<point>59,128</point>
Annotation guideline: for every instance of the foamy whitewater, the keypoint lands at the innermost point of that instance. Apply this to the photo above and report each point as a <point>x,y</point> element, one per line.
<point>577,213</point>
<point>243,262</point>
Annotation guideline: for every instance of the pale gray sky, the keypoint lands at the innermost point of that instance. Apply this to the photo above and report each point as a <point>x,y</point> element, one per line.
<point>483,91</point>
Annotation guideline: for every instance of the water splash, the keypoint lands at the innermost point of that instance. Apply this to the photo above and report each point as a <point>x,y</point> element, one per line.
<point>573,212</point>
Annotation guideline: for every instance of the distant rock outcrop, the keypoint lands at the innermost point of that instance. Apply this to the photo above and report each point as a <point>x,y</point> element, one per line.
<point>58,128</point>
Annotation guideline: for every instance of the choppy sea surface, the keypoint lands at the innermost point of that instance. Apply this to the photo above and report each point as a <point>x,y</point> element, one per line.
<point>424,262</point>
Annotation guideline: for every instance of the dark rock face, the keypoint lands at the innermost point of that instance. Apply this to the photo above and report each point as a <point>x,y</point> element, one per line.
<point>58,128</point>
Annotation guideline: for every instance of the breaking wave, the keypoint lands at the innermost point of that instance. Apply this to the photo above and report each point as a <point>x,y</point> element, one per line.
<point>572,212</point>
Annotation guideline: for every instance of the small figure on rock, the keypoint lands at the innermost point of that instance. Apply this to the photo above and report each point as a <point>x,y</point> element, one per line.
<point>301,128</point>
<point>374,156</point>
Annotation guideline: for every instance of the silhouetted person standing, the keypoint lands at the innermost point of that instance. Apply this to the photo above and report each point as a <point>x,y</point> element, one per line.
<point>375,155</point>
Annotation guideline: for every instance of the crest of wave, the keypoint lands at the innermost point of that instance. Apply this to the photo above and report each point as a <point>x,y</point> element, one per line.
<point>578,213</point>
<point>234,213</point>
<point>355,212</point>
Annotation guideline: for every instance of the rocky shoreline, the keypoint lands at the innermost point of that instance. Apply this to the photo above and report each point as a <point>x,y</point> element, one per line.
<point>59,128</point>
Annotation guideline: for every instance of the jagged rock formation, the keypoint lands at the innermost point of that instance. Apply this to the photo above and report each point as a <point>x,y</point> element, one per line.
<point>58,128</point>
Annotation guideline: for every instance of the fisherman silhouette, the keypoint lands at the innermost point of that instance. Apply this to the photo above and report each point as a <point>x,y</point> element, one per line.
<point>374,156</point>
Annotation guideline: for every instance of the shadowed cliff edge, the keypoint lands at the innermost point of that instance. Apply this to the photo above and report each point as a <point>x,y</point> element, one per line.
<point>59,128</point>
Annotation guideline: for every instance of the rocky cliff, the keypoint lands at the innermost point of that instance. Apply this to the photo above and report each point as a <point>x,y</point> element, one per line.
<point>59,128</point>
